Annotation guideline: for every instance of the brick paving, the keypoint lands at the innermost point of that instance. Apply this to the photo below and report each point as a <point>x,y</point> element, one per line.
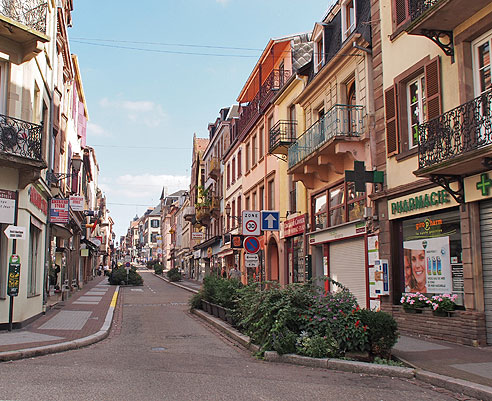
<point>82,315</point>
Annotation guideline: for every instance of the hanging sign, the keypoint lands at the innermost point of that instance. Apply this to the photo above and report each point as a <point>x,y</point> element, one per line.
<point>7,206</point>
<point>15,232</point>
<point>77,203</point>
<point>14,276</point>
<point>59,211</point>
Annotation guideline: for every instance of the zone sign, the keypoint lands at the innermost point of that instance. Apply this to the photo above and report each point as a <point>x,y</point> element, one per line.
<point>251,222</point>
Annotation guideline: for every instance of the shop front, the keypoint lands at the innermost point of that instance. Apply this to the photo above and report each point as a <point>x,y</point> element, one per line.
<point>341,254</point>
<point>294,230</point>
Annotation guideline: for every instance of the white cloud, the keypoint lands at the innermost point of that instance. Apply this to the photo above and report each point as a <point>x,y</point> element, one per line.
<point>150,113</point>
<point>96,130</point>
<point>223,2</point>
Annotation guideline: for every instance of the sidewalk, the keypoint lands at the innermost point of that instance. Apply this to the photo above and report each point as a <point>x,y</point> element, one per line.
<point>83,319</point>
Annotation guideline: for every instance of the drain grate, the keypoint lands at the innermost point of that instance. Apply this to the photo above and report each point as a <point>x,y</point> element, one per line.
<point>158,349</point>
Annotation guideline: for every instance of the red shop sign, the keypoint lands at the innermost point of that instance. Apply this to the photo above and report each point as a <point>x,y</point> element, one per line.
<point>295,226</point>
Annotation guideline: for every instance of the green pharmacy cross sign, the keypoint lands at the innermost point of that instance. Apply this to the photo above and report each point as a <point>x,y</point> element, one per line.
<point>484,184</point>
<point>361,177</point>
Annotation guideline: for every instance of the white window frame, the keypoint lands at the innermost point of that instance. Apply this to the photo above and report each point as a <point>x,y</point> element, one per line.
<point>421,106</point>
<point>318,56</point>
<point>347,30</point>
<point>487,37</point>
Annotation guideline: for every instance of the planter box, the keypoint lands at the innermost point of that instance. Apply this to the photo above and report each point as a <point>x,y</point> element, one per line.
<point>206,306</point>
<point>222,312</point>
<point>215,309</point>
<point>413,310</point>
<point>228,316</point>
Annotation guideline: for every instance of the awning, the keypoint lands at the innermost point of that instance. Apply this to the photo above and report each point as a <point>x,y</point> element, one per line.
<point>60,231</point>
<point>225,252</point>
<point>93,247</point>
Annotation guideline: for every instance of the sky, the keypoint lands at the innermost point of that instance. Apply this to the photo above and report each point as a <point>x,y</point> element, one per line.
<point>155,72</point>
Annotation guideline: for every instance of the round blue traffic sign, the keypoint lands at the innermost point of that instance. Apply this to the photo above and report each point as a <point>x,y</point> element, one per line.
<point>251,244</point>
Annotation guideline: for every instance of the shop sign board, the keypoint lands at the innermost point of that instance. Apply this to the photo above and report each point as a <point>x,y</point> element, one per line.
<point>77,203</point>
<point>379,279</point>
<point>340,232</point>
<point>37,200</point>
<point>478,187</point>
<point>15,232</point>
<point>251,222</point>
<point>14,276</point>
<point>7,206</point>
<point>420,202</point>
<point>197,235</point>
<point>251,257</point>
<point>59,211</point>
<point>295,226</point>
<point>251,263</point>
<point>236,241</point>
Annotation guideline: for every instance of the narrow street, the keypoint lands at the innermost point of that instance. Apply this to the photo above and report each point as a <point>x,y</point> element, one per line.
<point>157,350</point>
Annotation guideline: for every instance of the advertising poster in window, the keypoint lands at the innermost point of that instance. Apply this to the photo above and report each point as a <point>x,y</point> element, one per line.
<point>427,265</point>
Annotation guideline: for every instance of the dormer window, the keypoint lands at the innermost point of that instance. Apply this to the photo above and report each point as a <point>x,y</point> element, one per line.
<point>348,18</point>
<point>318,53</point>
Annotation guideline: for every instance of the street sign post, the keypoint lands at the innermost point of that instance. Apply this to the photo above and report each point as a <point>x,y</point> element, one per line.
<point>251,244</point>
<point>251,222</point>
<point>270,220</point>
<point>15,232</point>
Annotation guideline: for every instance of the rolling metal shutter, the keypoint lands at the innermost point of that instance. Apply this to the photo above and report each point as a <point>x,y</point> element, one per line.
<point>348,267</point>
<point>486,237</point>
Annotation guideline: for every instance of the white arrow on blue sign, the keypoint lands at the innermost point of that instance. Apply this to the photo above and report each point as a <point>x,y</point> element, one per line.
<point>270,220</point>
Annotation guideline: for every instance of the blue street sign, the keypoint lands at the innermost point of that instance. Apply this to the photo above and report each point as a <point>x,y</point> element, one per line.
<point>270,220</point>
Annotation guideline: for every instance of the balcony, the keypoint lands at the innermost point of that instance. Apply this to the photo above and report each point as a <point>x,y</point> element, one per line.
<point>189,213</point>
<point>437,19</point>
<point>203,213</point>
<point>458,142</point>
<point>213,167</point>
<point>249,114</point>
<point>24,23</point>
<point>282,135</point>
<point>341,122</point>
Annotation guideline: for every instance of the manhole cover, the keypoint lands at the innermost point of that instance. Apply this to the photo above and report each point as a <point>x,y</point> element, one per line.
<point>158,349</point>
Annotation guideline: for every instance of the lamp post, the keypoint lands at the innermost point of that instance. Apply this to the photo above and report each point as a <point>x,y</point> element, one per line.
<point>52,177</point>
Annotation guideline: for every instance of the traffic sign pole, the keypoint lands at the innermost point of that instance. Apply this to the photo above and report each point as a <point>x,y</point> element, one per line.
<point>14,251</point>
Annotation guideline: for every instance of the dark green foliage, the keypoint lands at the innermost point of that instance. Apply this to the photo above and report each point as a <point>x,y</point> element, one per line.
<point>152,263</point>
<point>158,268</point>
<point>196,300</point>
<point>119,276</point>
<point>317,346</point>
<point>220,291</point>
<point>382,332</point>
<point>174,274</point>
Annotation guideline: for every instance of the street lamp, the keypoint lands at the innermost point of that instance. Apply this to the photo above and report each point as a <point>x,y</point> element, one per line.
<point>57,177</point>
<point>228,214</point>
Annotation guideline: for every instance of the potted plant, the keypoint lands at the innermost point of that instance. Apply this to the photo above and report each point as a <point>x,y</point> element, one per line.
<point>443,304</point>
<point>414,302</point>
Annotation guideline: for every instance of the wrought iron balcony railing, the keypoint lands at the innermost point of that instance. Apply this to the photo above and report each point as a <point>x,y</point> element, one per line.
<point>275,81</point>
<point>283,133</point>
<point>340,121</point>
<point>31,13</point>
<point>419,7</point>
<point>20,138</point>
<point>460,130</point>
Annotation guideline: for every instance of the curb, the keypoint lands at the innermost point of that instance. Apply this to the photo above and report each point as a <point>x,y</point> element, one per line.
<point>471,389</point>
<point>68,345</point>
<point>176,284</point>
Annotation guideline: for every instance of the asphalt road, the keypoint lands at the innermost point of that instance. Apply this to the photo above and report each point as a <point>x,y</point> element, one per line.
<point>157,350</point>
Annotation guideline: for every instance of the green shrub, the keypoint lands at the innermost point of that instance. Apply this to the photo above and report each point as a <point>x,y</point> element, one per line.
<point>174,274</point>
<point>382,332</point>
<point>119,276</point>
<point>152,263</point>
<point>225,292</point>
<point>158,268</point>
<point>195,301</point>
<point>316,346</point>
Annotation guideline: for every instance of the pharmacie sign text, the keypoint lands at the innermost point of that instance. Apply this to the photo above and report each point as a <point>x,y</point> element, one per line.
<point>425,200</point>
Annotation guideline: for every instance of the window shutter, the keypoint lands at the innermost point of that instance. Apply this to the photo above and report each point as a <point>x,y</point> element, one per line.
<point>433,88</point>
<point>401,12</point>
<point>391,102</point>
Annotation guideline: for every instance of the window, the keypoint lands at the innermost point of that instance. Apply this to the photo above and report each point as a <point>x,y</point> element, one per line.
<point>33,263</point>
<point>338,205</point>
<point>233,170</point>
<point>253,151</point>
<point>246,203</point>
<point>253,201</point>
<point>348,18</point>
<point>261,200</point>
<point>154,223</point>
<point>238,208</point>
<point>318,54</point>
<point>261,137</point>
<point>271,195</point>
<point>247,157</point>
<point>416,109</point>
<point>292,195</point>
<point>481,64</point>
<point>233,212</point>
<point>401,13</point>
<point>153,238</point>
<point>293,119</point>
<point>239,172</point>
<point>414,98</point>
<point>228,175</point>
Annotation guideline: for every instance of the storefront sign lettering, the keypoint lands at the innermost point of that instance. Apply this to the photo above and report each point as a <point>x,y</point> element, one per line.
<point>37,200</point>
<point>420,202</point>
<point>7,206</point>
<point>295,226</point>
